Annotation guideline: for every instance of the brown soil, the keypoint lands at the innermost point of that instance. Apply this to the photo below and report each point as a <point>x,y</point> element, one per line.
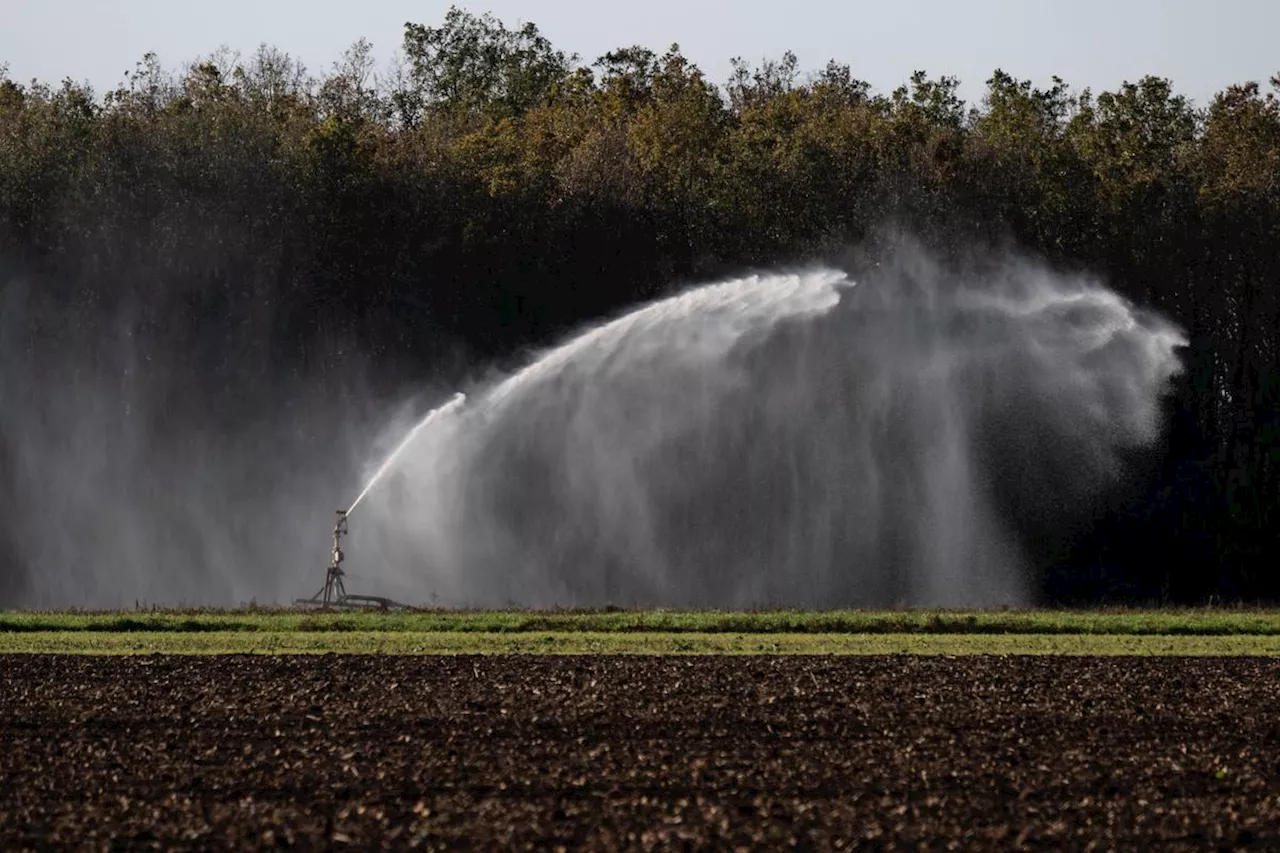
<point>622,752</point>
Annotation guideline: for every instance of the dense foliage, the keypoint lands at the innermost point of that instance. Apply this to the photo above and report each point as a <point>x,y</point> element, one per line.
<point>251,221</point>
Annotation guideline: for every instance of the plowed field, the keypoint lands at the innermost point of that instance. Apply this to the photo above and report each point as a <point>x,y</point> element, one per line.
<point>627,752</point>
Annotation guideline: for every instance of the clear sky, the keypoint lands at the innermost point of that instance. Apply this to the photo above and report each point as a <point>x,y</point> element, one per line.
<point>1203,45</point>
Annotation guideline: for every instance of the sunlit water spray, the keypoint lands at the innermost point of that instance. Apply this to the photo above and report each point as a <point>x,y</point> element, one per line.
<point>780,440</point>
<point>431,417</point>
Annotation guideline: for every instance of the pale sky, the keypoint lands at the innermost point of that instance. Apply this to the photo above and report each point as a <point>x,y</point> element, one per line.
<point>1202,45</point>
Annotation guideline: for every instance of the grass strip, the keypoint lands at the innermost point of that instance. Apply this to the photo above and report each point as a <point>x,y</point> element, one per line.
<point>657,643</point>
<point>1152,622</point>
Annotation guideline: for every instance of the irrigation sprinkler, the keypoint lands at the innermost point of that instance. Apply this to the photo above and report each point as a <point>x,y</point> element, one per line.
<point>333,595</point>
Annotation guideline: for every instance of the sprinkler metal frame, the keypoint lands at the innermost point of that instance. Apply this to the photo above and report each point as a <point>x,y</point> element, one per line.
<point>333,595</point>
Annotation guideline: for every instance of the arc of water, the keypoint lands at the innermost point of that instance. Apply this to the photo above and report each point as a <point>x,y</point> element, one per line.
<point>458,399</point>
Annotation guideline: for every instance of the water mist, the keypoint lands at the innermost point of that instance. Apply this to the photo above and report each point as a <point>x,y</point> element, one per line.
<point>790,439</point>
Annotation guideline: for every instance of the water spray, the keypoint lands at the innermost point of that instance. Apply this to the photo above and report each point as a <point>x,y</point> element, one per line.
<point>458,399</point>
<point>790,440</point>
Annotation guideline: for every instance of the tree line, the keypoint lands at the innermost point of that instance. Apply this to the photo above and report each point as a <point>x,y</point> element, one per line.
<point>489,192</point>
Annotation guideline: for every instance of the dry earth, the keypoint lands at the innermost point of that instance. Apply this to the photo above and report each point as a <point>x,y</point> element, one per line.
<point>630,752</point>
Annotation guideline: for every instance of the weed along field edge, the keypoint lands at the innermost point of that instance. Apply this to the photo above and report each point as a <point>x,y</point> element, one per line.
<point>1202,622</point>
<point>594,643</point>
<point>1189,632</point>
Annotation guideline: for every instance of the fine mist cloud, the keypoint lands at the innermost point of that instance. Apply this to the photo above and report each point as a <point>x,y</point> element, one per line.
<point>808,438</point>
<point>144,469</point>
<point>794,439</point>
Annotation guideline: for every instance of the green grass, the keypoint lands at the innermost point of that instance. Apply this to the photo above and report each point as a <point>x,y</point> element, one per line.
<point>1067,632</point>
<point>1050,622</point>
<point>595,642</point>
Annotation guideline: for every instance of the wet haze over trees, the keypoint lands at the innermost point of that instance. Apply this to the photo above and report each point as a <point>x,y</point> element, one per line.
<point>243,224</point>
